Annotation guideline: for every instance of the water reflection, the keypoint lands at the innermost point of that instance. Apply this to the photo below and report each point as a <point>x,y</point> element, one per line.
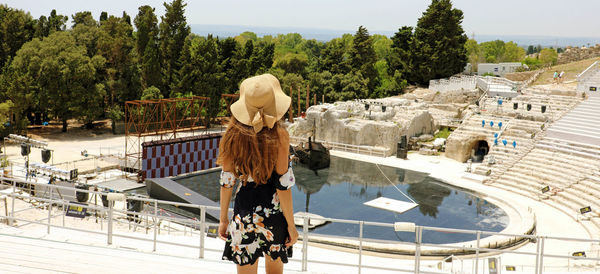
<point>428,196</point>
<point>341,190</point>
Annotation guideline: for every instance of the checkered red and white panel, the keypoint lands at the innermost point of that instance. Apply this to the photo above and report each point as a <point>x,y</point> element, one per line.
<point>179,158</point>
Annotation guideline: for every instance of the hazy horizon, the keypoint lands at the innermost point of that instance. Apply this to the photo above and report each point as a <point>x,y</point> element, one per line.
<point>552,19</point>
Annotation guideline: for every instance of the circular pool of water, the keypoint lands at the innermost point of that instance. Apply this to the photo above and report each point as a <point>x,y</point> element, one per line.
<point>340,191</point>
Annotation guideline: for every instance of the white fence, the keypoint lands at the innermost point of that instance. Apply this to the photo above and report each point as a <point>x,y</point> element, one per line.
<point>367,150</point>
<point>454,83</point>
<point>200,226</point>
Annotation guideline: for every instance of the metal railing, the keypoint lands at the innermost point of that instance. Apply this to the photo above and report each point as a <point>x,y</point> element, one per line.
<point>367,150</point>
<point>454,83</point>
<point>201,225</point>
<point>583,83</point>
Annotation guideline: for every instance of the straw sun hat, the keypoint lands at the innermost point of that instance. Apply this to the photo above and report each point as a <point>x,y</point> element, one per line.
<point>261,102</point>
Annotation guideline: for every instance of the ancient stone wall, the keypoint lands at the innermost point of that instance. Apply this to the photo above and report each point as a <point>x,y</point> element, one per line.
<point>573,54</point>
<point>351,123</point>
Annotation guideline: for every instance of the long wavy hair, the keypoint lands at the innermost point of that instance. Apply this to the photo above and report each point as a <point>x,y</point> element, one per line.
<point>253,154</point>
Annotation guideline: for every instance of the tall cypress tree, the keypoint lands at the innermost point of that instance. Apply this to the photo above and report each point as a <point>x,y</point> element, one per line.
<point>173,30</point>
<point>146,23</point>
<point>399,58</point>
<point>438,48</point>
<point>363,57</point>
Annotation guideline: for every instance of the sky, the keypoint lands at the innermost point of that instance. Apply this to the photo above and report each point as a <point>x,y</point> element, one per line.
<point>557,18</point>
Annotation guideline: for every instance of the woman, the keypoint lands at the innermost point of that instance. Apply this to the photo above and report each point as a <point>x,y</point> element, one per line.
<point>254,152</point>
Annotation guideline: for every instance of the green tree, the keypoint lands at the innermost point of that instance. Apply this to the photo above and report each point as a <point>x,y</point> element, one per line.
<point>83,18</point>
<point>16,28</point>
<point>473,53</point>
<point>151,93</point>
<point>246,36</point>
<point>530,50</point>
<point>201,73</point>
<point>388,85</point>
<point>63,77</point>
<point>363,57</point>
<point>116,45</point>
<point>87,35</point>
<point>147,46</point>
<point>333,58</point>
<point>350,86</point>
<point>229,50</point>
<point>513,53</point>
<point>382,46</point>
<point>438,47</point>
<point>399,59</point>
<point>548,57</point>
<point>103,17</point>
<point>493,51</point>
<point>173,30</point>
<point>293,63</point>
<point>57,22</point>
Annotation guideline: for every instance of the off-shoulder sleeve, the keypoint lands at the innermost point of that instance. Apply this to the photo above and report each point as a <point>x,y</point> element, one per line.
<point>287,180</point>
<point>227,179</point>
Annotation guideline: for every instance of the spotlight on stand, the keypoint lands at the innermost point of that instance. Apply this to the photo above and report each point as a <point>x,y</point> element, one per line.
<point>25,149</point>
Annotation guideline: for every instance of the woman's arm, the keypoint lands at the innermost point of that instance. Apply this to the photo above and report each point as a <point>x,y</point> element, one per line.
<point>285,196</point>
<point>225,195</point>
<point>287,207</point>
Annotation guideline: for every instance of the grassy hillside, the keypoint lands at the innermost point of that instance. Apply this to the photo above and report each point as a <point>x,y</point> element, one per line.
<point>571,70</point>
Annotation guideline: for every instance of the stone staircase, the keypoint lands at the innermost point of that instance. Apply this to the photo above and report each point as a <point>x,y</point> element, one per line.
<point>555,105</point>
<point>501,157</point>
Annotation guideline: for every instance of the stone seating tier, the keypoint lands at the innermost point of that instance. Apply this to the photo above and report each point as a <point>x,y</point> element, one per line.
<point>559,148</point>
<point>560,158</point>
<point>538,167</point>
<point>591,149</point>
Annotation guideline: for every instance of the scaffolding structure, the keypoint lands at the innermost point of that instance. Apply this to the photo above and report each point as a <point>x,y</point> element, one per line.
<point>161,119</point>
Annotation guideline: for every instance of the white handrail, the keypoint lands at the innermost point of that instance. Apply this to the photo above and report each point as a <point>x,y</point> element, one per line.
<point>539,254</point>
<point>587,70</point>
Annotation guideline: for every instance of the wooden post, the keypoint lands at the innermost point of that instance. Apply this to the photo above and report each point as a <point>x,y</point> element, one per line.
<point>307,97</point>
<point>299,110</point>
<point>291,110</point>
<point>323,100</point>
<point>314,99</point>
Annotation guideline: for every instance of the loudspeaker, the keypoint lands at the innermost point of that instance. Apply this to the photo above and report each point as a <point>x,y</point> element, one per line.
<point>135,206</point>
<point>46,154</point>
<point>528,107</point>
<point>403,142</point>
<point>543,109</point>
<point>25,149</point>
<point>401,153</point>
<point>82,197</point>
<point>515,105</point>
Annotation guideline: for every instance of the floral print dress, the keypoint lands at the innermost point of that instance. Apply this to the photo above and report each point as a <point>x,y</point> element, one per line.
<point>258,226</point>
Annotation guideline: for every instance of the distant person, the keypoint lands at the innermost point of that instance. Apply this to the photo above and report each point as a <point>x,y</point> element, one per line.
<point>254,152</point>
<point>560,76</point>
<point>555,77</point>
